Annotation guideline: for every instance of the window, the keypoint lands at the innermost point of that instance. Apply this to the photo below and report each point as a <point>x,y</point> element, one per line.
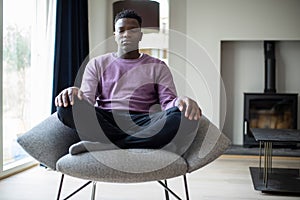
<point>27,63</point>
<point>156,43</point>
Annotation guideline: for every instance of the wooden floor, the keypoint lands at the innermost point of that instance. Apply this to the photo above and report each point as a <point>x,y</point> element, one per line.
<point>227,178</point>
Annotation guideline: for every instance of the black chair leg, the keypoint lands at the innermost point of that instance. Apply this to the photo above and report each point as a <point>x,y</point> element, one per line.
<point>169,190</point>
<point>60,186</point>
<point>93,190</point>
<point>186,188</point>
<point>165,185</point>
<point>166,191</point>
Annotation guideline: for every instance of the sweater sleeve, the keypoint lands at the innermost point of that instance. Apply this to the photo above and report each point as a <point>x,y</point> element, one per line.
<point>166,88</point>
<point>90,81</point>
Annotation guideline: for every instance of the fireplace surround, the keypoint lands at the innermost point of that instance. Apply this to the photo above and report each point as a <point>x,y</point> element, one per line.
<point>269,109</point>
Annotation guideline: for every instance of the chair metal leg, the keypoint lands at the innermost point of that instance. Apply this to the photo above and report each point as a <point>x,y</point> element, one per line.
<point>186,188</point>
<point>73,193</point>
<point>165,185</point>
<point>60,186</point>
<point>166,191</point>
<point>94,190</point>
<point>169,190</point>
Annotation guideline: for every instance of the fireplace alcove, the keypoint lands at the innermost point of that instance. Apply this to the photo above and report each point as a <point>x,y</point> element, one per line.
<point>242,71</point>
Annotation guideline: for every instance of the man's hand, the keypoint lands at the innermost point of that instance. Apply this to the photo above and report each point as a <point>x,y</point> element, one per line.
<point>66,96</point>
<point>190,108</point>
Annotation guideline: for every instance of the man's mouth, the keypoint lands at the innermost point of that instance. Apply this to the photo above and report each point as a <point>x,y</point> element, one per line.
<point>127,42</point>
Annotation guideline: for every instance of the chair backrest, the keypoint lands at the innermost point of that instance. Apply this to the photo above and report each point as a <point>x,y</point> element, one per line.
<point>209,143</point>
<point>48,141</point>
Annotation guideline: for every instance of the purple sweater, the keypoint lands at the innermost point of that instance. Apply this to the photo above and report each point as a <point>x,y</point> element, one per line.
<point>128,84</point>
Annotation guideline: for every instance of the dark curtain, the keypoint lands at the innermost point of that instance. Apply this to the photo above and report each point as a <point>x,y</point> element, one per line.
<point>71,43</point>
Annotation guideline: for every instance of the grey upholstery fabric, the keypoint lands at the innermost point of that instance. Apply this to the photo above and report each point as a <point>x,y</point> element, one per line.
<point>209,144</point>
<point>125,166</point>
<point>48,141</point>
<point>86,146</point>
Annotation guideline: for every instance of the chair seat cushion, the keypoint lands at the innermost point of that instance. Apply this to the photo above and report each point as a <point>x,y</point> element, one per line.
<point>125,166</point>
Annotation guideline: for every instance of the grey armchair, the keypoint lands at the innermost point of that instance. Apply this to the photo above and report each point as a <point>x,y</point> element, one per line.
<point>49,143</point>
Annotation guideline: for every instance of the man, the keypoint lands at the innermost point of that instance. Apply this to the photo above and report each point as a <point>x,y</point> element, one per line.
<point>116,104</point>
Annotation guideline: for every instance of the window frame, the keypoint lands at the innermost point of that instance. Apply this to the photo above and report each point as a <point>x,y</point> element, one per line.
<point>22,164</point>
<point>1,101</point>
<point>45,21</point>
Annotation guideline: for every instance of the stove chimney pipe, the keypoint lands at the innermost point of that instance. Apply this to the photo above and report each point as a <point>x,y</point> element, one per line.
<point>270,70</point>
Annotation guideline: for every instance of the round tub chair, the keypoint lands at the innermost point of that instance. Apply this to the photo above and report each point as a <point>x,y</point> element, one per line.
<point>49,143</point>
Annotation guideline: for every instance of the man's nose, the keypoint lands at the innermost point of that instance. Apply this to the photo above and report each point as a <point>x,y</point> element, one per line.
<point>126,33</point>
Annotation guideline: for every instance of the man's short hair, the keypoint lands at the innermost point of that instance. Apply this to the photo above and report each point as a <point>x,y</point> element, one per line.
<point>129,14</point>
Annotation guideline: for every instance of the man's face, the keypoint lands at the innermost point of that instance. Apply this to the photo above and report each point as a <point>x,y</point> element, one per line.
<point>127,34</point>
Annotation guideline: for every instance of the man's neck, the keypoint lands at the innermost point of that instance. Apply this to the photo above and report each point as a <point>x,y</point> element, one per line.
<point>129,55</point>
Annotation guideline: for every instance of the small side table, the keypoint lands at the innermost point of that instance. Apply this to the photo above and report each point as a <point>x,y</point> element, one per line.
<point>266,178</point>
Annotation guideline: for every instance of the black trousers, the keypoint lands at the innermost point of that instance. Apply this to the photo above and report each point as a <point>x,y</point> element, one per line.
<point>130,129</point>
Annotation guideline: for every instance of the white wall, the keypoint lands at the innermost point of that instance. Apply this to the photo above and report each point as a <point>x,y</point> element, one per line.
<point>98,18</point>
<point>177,43</point>
<point>242,69</point>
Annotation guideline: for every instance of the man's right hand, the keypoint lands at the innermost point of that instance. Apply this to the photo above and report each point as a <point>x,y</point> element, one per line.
<point>66,97</point>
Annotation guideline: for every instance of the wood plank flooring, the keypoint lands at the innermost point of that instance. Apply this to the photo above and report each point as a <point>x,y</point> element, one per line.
<point>227,178</point>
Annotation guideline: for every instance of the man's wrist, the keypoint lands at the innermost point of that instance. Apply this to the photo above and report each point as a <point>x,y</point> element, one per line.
<point>175,102</point>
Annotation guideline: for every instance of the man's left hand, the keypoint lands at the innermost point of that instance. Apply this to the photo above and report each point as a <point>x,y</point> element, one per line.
<point>190,107</point>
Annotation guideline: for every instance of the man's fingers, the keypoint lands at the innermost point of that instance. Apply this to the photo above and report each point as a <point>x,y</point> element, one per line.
<point>192,114</point>
<point>79,95</point>
<point>65,98</point>
<point>58,100</point>
<point>188,109</point>
<point>71,96</point>
<point>181,105</point>
<point>197,114</point>
<point>200,112</point>
<point>74,92</point>
<point>193,111</point>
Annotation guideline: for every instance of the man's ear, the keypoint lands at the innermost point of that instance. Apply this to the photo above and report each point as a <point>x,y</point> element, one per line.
<point>115,36</point>
<point>141,36</point>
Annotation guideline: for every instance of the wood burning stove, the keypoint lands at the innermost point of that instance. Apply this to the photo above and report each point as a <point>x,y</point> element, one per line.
<point>269,109</point>
<point>266,110</point>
